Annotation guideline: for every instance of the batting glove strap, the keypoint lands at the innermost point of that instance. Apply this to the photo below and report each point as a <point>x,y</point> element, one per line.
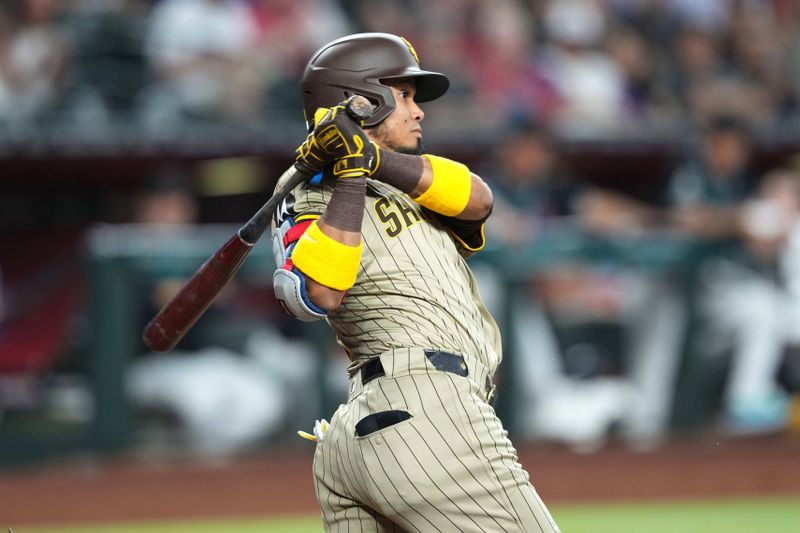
<point>365,163</point>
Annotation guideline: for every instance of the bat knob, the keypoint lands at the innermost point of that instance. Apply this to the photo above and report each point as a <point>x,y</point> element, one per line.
<point>359,108</point>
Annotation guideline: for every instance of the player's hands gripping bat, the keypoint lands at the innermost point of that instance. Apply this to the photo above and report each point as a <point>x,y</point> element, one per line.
<point>336,136</point>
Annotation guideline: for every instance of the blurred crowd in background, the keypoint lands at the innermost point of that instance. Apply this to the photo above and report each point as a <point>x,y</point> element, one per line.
<point>585,67</point>
<point>630,313</point>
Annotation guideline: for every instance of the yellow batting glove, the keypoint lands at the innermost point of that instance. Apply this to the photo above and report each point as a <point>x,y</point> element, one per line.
<point>365,162</point>
<point>338,139</point>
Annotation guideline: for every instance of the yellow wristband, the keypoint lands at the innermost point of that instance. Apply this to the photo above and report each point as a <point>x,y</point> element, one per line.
<point>450,189</point>
<point>326,260</point>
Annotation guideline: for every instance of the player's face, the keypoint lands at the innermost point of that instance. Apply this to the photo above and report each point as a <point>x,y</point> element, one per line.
<point>401,131</point>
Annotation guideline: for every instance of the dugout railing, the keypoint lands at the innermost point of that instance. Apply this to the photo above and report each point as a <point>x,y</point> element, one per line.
<point>124,260</point>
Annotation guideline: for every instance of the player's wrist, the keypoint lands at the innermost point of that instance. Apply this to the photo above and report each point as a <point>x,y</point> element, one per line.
<point>345,209</point>
<point>401,171</point>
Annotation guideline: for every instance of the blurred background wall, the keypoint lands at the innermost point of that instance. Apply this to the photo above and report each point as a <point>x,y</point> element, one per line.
<point>644,251</point>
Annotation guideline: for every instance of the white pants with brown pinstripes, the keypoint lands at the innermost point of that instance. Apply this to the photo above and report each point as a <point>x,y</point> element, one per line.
<point>449,467</point>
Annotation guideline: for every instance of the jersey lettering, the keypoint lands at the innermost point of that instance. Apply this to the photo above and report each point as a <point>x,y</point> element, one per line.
<point>396,214</point>
<point>409,214</point>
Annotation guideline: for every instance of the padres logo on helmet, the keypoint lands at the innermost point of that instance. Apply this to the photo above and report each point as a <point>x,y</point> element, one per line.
<point>356,64</point>
<point>411,49</point>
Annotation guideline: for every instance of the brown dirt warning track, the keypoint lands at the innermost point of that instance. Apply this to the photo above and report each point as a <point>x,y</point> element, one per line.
<point>279,482</point>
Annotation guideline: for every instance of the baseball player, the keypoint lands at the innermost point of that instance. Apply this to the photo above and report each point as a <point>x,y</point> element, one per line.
<point>375,245</point>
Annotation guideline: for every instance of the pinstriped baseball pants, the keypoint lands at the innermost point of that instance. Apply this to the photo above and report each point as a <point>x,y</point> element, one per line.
<point>449,467</point>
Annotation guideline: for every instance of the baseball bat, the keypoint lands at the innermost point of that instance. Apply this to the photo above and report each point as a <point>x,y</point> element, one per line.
<point>172,322</point>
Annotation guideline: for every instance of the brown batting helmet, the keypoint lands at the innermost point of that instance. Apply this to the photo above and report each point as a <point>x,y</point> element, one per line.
<point>356,64</point>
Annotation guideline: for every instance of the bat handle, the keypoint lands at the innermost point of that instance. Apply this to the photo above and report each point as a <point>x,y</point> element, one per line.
<point>255,227</point>
<point>169,326</point>
<point>359,108</point>
<point>172,322</point>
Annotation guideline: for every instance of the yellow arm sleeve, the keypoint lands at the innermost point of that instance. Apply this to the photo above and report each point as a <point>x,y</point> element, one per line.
<point>450,189</point>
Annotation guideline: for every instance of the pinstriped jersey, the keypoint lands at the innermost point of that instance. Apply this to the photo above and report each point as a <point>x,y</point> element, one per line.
<point>413,289</point>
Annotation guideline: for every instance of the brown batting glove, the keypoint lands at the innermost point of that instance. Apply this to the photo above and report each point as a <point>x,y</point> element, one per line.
<point>338,139</point>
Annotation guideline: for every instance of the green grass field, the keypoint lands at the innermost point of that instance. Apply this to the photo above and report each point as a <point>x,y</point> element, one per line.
<point>727,516</point>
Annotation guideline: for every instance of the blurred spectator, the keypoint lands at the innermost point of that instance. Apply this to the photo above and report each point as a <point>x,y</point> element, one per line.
<point>445,46</point>
<point>588,82</point>
<point>647,98</point>
<point>505,65</point>
<point>706,191</point>
<point>733,71</point>
<point>202,52</point>
<point>166,203</point>
<point>110,68</point>
<point>709,199</point>
<point>653,20</point>
<point>758,56</point>
<point>750,308</point>
<point>392,16</point>
<point>33,60</point>
<point>290,30</point>
<point>776,223</point>
<point>227,387</point>
<point>576,387</point>
<point>215,402</point>
<point>588,67</point>
<point>532,187</point>
<point>287,32</point>
<point>698,63</point>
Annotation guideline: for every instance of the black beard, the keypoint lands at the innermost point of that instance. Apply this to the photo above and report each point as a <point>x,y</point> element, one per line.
<point>419,149</point>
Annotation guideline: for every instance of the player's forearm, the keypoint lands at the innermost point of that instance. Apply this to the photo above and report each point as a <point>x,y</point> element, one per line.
<point>480,201</point>
<point>326,297</point>
<point>343,216</point>
<point>330,269</point>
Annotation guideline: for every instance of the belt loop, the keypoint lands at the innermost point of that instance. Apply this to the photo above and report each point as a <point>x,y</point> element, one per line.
<point>371,370</point>
<point>448,362</point>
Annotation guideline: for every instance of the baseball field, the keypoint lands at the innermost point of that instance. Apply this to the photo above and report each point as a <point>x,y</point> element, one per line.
<point>724,516</point>
<point>706,485</point>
